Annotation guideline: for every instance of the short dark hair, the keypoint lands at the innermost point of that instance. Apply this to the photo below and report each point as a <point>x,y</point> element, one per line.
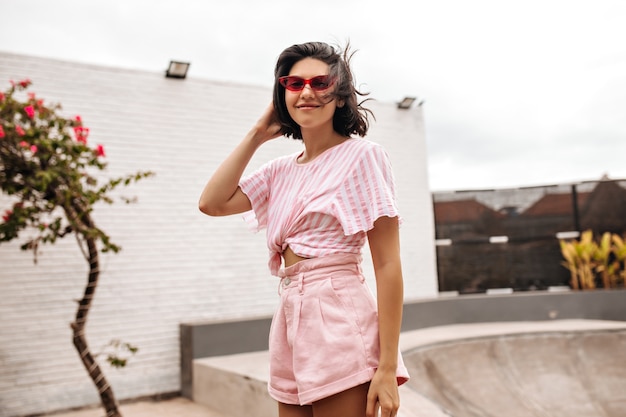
<point>352,117</point>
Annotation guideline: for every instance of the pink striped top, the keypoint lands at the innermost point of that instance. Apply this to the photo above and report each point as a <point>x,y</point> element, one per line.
<point>324,206</point>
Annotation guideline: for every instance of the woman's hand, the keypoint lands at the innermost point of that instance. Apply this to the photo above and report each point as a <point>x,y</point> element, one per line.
<point>383,395</point>
<point>267,127</point>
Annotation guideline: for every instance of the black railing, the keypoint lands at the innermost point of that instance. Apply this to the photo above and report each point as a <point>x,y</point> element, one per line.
<point>509,238</point>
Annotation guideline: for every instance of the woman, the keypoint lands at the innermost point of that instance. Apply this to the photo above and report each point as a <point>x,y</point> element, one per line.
<point>333,347</point>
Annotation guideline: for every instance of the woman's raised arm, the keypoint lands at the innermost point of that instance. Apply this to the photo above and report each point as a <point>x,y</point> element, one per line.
<point>221,195</point>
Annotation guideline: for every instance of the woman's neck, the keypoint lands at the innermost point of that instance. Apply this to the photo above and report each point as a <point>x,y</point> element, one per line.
<point>316,142</point>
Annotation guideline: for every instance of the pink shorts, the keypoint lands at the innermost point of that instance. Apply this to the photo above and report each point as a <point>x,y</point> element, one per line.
<point>324,335</point>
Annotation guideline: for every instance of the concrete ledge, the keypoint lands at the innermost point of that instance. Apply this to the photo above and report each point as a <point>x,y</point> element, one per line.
<point>207,339</point>
<point>519,306</point>
<point>237,385</point>
<point>433,337</point>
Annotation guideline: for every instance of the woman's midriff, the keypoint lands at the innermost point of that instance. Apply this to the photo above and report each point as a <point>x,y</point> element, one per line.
<point>291,258</point>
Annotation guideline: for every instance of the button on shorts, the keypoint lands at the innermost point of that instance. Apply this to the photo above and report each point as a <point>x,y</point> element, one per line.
<point>324,334</point>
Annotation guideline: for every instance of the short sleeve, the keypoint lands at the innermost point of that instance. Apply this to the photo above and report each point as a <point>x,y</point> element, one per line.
<point>257,186</point>
<point>367,193</point>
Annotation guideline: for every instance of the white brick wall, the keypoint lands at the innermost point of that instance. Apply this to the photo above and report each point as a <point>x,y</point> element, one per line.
<point>176,265</point>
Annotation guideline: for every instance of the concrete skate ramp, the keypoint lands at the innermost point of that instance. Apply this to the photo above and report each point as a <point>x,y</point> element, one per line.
<point>552,374</point>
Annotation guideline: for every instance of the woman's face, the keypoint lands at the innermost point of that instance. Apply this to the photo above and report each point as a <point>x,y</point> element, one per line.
<point>310,108</point>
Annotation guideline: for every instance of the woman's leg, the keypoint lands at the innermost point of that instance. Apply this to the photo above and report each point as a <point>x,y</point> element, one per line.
<point>292,410</point>
<point>348,403</point>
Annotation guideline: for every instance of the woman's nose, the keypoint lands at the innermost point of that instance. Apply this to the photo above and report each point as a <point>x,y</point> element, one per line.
<point>307,90</point>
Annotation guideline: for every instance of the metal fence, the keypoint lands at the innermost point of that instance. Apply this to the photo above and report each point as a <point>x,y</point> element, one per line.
<point>509,238</point>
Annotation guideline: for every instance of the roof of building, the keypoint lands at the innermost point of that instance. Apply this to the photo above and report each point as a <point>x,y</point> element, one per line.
<point>555,205</point>
<point>461,211</point>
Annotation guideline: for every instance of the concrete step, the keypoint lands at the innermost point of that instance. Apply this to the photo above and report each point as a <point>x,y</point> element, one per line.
<point>236,385</point>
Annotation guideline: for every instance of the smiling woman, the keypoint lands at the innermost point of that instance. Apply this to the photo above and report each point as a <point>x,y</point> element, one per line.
<point>333,346</point>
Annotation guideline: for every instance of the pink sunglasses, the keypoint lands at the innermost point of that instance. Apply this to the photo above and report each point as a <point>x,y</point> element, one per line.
<point>293,83</point>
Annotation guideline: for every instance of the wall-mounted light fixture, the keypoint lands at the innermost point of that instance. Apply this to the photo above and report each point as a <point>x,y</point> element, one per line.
<point>177,69</point>
<point>406,102</point>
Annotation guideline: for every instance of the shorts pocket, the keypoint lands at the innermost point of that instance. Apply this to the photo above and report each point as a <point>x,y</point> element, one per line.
<point>329,345</point>
<point>356,297</point>
<point>336,307</point>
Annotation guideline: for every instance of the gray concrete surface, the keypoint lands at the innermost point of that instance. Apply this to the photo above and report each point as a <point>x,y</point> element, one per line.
<point>550,369</point>
<point>573,368</point>
<point>174,407</point>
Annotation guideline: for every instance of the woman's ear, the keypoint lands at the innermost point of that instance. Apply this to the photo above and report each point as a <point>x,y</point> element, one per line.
<point>340,103</point>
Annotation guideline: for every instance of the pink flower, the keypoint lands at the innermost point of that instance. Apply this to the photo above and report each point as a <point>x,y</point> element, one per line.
<point>6,216</point>
<point>30,111</point>
<point>31,95</point>
<point>1,97</point>
<point>78,119</point>
<point>81,134</point>
<point>100,150</point>
<point>2,132</point>
<point>19,131</point>
<point>25,82</point>
<point>24,144</point>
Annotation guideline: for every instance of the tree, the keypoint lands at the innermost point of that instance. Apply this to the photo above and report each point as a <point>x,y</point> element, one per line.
<point>48,171</point>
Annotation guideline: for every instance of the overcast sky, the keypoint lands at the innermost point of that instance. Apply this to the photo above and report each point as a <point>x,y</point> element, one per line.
<point>517,93</point>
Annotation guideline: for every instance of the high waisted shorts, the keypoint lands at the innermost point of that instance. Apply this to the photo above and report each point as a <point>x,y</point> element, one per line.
<point>324,334</point>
